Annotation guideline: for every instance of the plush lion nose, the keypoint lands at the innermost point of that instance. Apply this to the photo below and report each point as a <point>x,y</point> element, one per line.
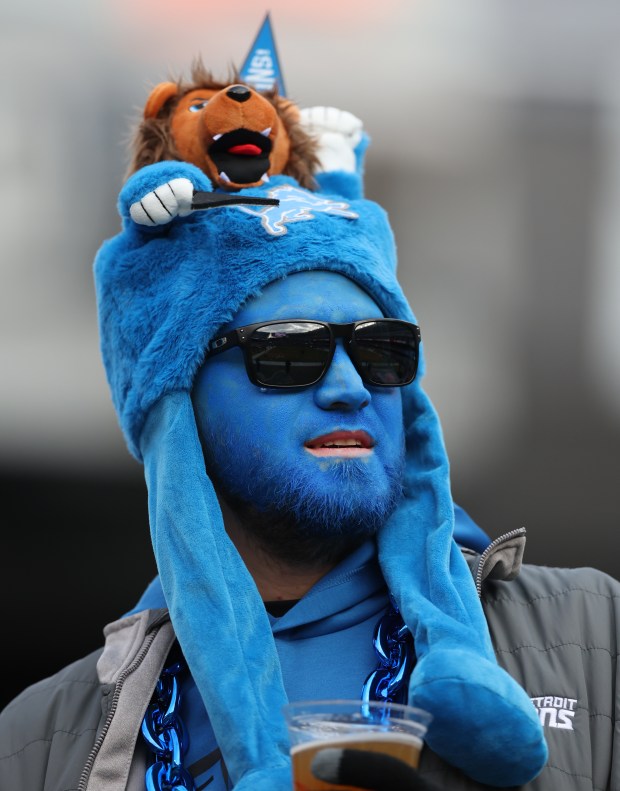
<point>239,93</point>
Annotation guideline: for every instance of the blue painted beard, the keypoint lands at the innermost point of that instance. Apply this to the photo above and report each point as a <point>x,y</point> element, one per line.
<point>297,517</point>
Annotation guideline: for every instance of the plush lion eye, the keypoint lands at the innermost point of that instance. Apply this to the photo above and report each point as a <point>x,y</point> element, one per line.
<point>198,106</point>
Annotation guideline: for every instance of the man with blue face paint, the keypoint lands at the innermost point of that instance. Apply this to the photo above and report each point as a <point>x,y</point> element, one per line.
<point>253,464</point>
<point>267,370</point>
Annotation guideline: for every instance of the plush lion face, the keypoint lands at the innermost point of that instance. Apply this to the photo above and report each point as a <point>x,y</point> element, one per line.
<point>237,136</point>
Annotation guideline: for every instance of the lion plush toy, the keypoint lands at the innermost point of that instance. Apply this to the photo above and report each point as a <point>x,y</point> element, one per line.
<point>239,137</point>
<point>235,135</point>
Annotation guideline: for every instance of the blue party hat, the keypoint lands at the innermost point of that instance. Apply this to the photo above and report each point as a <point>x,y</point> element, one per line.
<point>261,68</point>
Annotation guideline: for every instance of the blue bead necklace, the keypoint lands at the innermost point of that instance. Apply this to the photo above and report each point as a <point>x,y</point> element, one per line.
<point>164,732</point>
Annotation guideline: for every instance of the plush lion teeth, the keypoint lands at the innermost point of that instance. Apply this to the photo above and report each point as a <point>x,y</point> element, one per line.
<point>224,177</point>
<point>266,132</point>
<point>265,178</point>
<point>217,137</point>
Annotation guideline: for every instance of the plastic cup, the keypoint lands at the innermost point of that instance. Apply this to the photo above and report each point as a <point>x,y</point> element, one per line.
<point>388,728</point>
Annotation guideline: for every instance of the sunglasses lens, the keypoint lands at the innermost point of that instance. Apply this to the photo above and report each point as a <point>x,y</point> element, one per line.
<point>289,354</point>
<point>386,352</point>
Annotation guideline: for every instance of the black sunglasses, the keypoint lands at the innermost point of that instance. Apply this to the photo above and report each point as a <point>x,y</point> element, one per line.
<point>298,352</point>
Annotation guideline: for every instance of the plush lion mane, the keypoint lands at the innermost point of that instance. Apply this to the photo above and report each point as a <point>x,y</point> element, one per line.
<point>152,141</point>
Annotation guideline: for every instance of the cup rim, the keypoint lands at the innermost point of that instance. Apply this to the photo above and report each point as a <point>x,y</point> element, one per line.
<point>421,715</point>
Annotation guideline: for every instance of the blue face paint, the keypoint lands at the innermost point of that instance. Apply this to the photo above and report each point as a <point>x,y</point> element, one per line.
<point>266,447</point>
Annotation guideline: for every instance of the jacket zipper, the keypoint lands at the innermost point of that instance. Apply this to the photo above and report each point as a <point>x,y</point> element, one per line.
<point>520,531</point>
<point>117,691</point>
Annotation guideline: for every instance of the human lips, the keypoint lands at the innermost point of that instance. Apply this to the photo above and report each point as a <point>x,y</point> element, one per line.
<point>347,444</point>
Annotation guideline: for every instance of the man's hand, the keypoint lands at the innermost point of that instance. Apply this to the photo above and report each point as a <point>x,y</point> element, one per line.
<point>338,132</point>
<point>163,204</point>
<point>363,769</point>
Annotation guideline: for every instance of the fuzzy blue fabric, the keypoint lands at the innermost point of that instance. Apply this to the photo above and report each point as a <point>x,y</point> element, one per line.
<point>207,612</point>
<point>456,676</point>
<point>162,295</point>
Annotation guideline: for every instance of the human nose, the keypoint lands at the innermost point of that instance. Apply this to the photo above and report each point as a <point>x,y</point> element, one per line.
<point>341,387</point>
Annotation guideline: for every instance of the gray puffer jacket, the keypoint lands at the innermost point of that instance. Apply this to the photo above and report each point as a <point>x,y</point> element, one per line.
<point>554,630</point>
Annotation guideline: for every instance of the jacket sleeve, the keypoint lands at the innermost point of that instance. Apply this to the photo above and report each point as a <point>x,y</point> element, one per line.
<point>614,784</point>
<point>47,732</point>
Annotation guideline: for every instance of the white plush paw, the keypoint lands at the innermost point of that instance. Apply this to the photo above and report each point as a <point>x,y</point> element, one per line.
<point>163,204</point>
<point>337,132</point>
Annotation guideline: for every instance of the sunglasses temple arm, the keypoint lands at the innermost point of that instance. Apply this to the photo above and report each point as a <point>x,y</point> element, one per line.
<point>222,344</point>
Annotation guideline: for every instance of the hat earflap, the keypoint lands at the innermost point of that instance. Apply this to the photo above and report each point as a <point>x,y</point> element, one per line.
<point>483,721</point>
<point>228,644</point>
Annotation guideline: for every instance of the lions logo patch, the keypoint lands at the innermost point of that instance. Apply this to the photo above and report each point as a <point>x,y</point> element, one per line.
<point>556,712</point>
<point>296,205</point>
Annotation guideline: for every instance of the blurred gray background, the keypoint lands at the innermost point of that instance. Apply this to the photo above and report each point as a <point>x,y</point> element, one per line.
<point>496,150</point>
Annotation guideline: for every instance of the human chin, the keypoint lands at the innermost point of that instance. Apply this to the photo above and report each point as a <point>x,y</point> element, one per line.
<point>324,496</point>
<point>345,496</point>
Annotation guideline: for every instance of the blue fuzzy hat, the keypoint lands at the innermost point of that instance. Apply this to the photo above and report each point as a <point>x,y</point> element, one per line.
<point>162,294</point>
